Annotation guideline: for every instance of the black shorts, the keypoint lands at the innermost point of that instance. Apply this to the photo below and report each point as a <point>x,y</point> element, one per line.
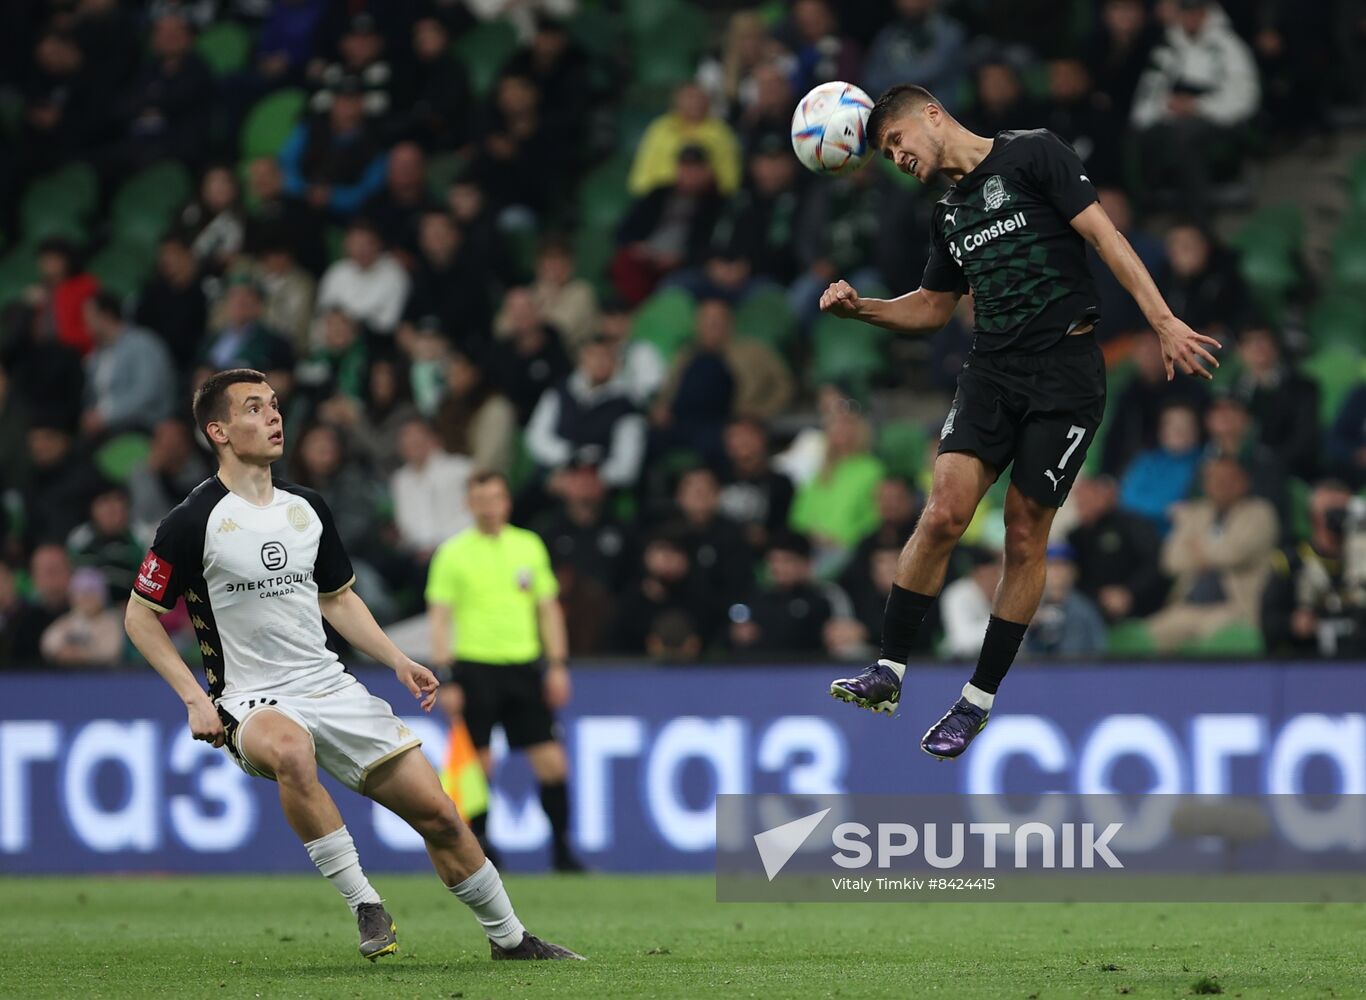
<point>1040,411</point>
<point>508,695</point>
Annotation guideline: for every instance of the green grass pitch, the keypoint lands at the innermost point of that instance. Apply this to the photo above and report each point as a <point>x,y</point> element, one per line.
<point>291,936</point>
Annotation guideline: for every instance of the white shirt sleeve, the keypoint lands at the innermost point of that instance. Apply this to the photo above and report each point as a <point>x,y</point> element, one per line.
<point>626,453</point>
<point>547,448</point>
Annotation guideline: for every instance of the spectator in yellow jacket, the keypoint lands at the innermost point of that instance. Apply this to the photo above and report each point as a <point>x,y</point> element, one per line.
<point>688,124</point>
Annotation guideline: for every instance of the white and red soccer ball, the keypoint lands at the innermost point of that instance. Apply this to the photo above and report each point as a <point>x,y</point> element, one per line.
<point>830,128</point>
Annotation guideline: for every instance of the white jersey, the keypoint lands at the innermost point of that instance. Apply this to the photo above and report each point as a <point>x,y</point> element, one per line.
<point>251,577</point>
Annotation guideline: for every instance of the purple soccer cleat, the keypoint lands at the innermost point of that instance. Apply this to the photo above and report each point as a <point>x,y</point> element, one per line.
<point>950,736</point>
<point>877,689</point>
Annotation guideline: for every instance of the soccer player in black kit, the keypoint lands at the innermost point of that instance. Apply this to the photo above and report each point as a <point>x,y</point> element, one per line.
<point>1011,230</point>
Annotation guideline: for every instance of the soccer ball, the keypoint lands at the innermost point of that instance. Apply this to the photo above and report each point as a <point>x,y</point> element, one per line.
<point>829,128</point>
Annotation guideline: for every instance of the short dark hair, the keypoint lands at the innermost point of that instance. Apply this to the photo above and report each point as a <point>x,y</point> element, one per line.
<point>211,399</point>
<point>107,303</point>
<point>488,476</point>
<point>366,225</point>
<point>61,246</point>
<point>896,101</point>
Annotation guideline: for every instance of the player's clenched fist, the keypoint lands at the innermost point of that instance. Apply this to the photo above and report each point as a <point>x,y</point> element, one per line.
<point>840,299</point>
<point>205,724</point>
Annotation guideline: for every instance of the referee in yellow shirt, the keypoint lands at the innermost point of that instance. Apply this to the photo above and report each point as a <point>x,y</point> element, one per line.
<point>506,662</point>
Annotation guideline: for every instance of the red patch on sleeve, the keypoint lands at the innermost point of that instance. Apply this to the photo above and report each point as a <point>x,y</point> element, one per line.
<point>154,575</point>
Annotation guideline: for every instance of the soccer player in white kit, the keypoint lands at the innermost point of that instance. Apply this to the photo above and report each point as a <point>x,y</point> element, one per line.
<point>260,566</point>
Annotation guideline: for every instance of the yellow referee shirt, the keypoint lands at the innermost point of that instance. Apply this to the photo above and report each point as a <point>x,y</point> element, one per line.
<point>493,584</point>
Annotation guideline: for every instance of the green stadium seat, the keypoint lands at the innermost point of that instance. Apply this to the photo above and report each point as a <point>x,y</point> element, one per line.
<point>1272,273</point>
<point>665,319</point>
<point>46,226</point>
<point>1129,638</point>
<point>124,266</point>
<point>847,359</point>
<point>226,47</point>
<point>522,468</point>
<point>1231,640</point>
<point>1281,224</point>
<point>1338,369</point>
<point>593,251</point>
<point>901,445</point>
<point>1356,185</point>
<point>1338,319</point>
<point>165,183</point>
<point>482,50</point>
<point>667,49</point>
<point>603,197</point>
<point>598,32</point>
<point>645,16</point>
<point>1299,492</point>
<point>72,192</point>
<point>18,270</point>
<point>270,122</point>
<point>1349,260</point>
<point>442,170</point>
<point>118,456</point>
<point>145,206</point>
<point>521,244</point>
<point>765,316</point>
<point>1117,377</point>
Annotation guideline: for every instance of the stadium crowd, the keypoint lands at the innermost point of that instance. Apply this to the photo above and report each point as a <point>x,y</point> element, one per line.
<point>568,241</point>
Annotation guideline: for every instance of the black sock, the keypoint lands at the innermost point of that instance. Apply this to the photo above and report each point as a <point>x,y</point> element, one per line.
<point>999,647</point>
<point>479,826</point>
<point>555,802</point>
<point>901,620</point>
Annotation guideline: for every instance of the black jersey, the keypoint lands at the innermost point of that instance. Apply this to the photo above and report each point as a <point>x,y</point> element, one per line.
<point>1004,231</point>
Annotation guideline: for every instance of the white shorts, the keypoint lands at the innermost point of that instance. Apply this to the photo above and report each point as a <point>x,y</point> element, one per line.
<point>353,732</point>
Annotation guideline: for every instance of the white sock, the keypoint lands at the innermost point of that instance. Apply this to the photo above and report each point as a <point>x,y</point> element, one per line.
<point>336,857</point>
<point>897,668</point>
<point>483,893</point>
<point>976,696</point>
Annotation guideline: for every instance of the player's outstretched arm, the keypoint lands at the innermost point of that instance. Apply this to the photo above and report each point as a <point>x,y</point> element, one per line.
<point>143,626</point>
<point>920,311</point>
<point>350,616</point>
<point>1182,347</point>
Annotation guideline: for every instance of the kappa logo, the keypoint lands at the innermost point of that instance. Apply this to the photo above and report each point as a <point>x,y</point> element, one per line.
<point>227,525</point>
<point>994,193</point>
<point>948,424</point>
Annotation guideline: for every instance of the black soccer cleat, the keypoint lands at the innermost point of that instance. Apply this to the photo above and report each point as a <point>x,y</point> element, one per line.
<point>532,948</point>
<point>378,932</point>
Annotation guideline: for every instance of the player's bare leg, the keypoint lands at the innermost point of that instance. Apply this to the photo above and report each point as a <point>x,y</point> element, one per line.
<point>408,787</point>
<point>276,744</point>
<point>960,481</point>
<point>1017,598</point>
<point>551,767</point>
